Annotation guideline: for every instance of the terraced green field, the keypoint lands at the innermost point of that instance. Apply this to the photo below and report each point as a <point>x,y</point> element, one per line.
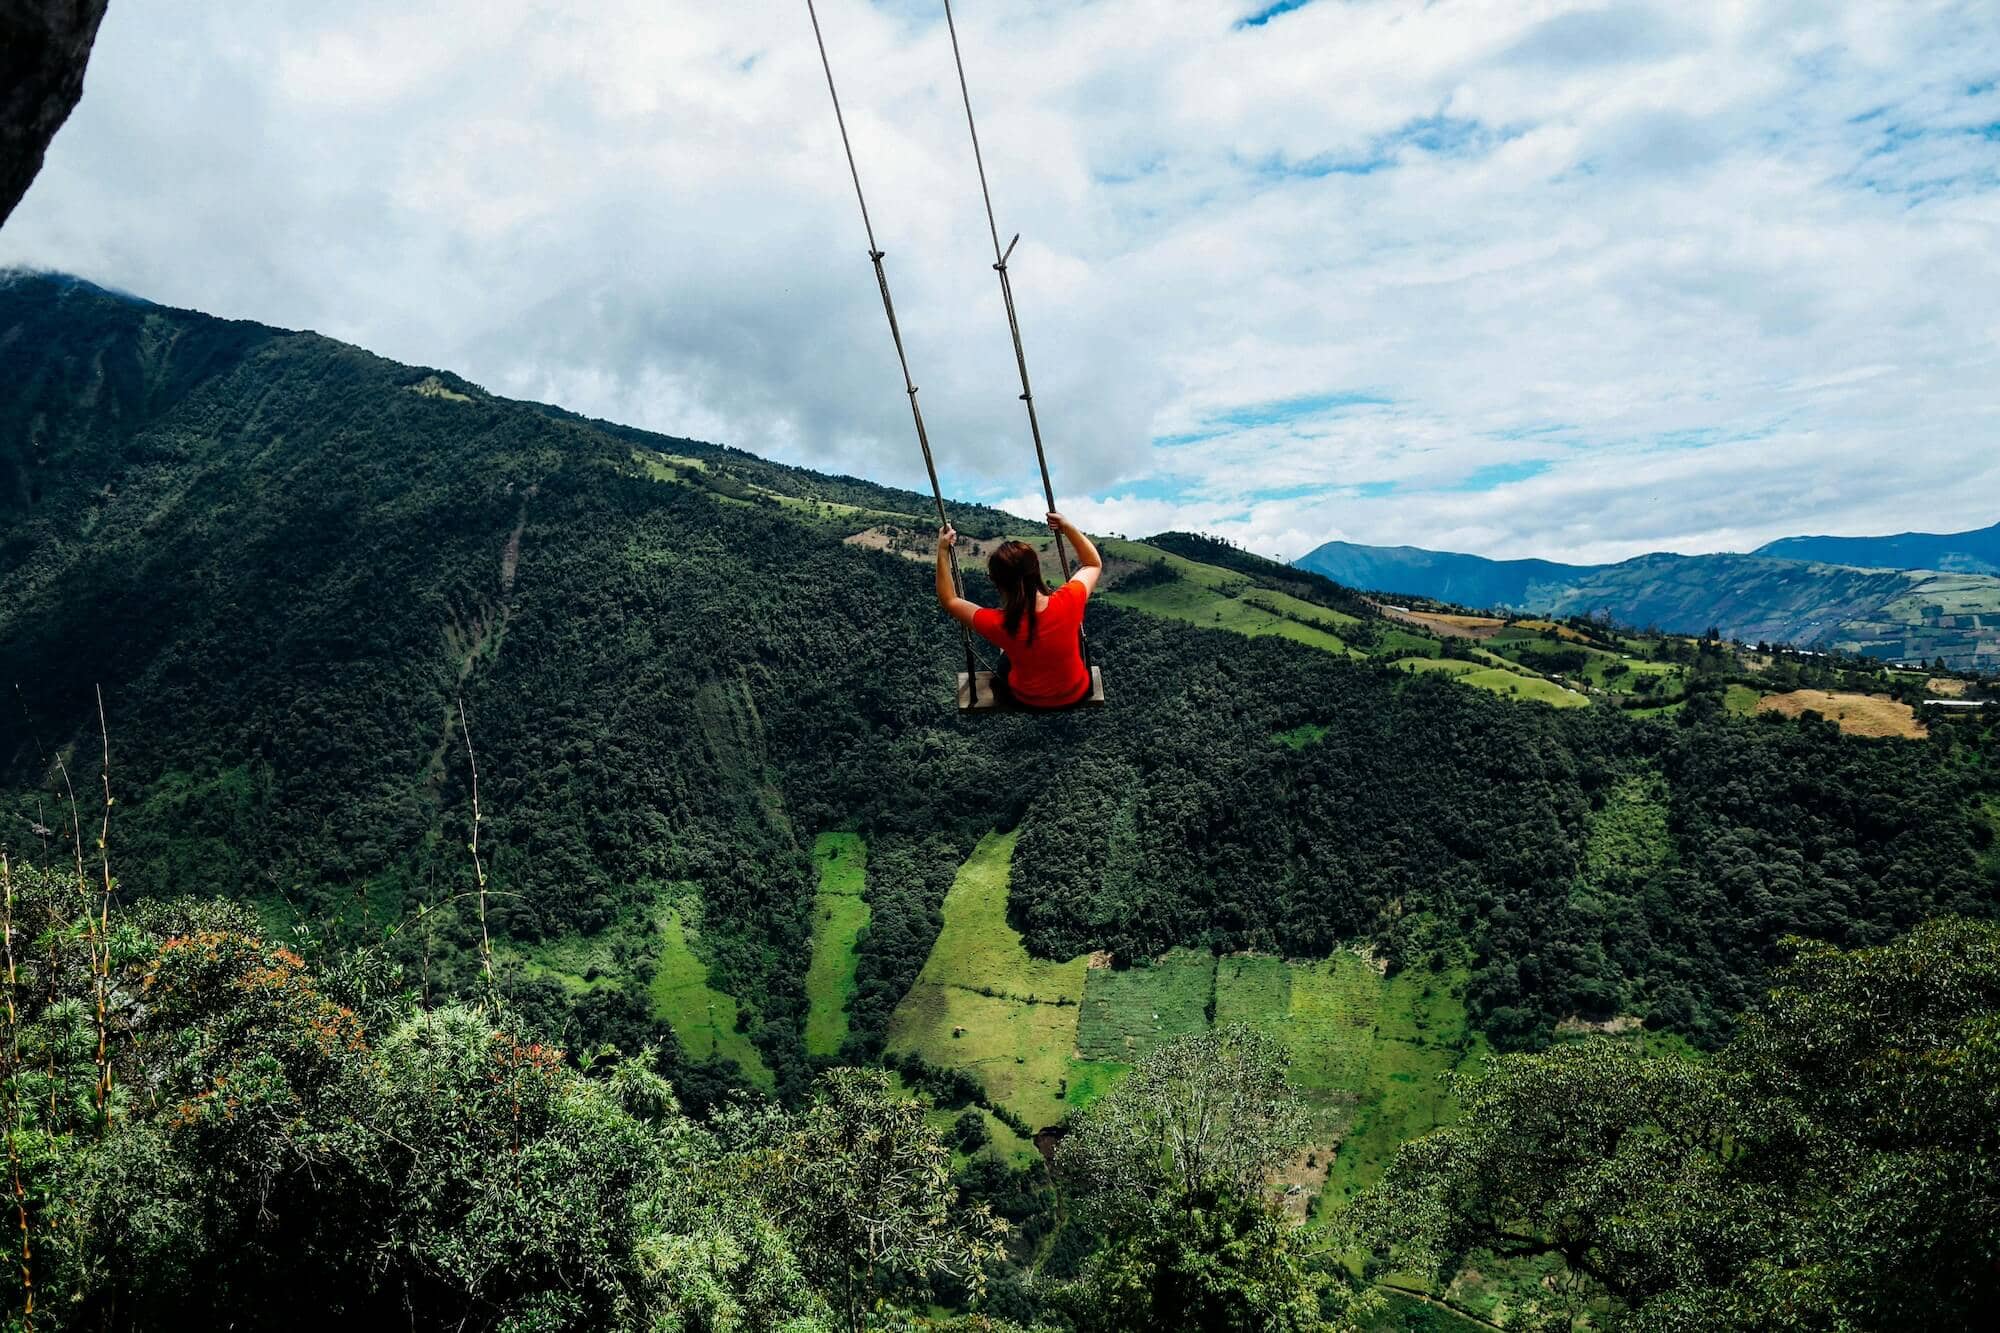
<point>839,912</point>
<point>1223,599</point>
<point>1044,1038</point>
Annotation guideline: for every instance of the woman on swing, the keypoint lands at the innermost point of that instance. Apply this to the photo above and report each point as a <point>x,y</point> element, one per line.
<point>1036,630</point>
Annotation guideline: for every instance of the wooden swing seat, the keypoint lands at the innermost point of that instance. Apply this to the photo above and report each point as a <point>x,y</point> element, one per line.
<point>990,702</point>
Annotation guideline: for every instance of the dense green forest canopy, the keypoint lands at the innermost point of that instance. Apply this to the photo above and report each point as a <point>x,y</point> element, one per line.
<point>285,561</point>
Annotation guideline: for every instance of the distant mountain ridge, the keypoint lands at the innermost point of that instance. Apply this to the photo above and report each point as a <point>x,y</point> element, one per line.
<point>1915,596</point>
<point>1975,552</point>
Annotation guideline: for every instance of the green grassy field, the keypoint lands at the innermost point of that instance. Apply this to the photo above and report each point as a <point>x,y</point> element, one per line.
<point>981,1004</point>
<point>1396,640</point>
<point>1741,700</point>
<point>1628,835</point>
<point>1044,1038</point>
<point>1525,687</point>
<point>703,1019</point>
<point>1212,609</point>
<point>1366,1051</point>
<point>839,912</point>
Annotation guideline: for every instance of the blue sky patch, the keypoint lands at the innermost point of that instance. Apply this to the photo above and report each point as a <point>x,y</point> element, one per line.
<point>1268,12</point>
<point>1495,475</point>
<point>1281,410</point>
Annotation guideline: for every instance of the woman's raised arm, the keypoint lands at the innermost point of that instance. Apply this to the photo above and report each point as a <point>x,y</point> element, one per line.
<point>947,592</point>
<point>1089,564</point>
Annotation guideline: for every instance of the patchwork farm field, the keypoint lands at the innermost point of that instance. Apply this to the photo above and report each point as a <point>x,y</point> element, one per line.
<point>1044,1038</point>
<point>839,912</point>
<point>703,1019</point>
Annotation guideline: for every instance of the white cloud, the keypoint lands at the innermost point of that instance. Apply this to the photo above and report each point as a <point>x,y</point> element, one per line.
<point>1723,272</point>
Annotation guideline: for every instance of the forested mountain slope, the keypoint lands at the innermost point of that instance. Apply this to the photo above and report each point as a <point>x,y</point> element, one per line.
<point>285,560</point>
<point>1862,604</point>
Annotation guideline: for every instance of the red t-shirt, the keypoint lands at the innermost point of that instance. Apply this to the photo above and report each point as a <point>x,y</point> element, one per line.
<point>1050,672</point>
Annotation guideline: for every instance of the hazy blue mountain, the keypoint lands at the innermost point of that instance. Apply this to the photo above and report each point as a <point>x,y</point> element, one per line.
<point>1472,580</point>
<point>1975,552</point>
<point>1873,608</point>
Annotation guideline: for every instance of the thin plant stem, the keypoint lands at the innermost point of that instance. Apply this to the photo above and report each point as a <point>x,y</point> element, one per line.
<point>478,868</point>
<point>104,923</point>
<point>14,1099</point>
<point>91,936</point>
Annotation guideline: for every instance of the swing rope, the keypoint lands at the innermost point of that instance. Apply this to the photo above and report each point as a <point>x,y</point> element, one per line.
<point>896,333</point>
<point>1013,318</point>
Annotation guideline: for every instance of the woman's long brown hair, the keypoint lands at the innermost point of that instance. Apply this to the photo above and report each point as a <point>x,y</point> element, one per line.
<point>1016,571</point>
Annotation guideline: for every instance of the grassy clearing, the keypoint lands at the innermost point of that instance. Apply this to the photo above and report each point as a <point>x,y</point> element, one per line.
<point>1284,604</point>
<point>1856,714</point>
<point>1449,666</point>
<point>703,1019</point>
<point>839,912</point>
<point>1299,737</point>
<point>1628,836</point>
<point>1002,1141</point>
<point>1740,700</point>
<point>1088,1080</point>
<point>1508,681</point>
<point>1403,641</point>
<point>1223,599</point>
<point>1532,688</point>
<point>981,1004</point>
<point>1602,671</point>
<point>1129,1011</point>
<point>580,963</point>
<point>1408,1313</point>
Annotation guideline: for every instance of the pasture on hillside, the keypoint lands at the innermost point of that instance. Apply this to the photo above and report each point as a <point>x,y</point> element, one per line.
<point>1857,714</point>
<point>840,911</point>
<point>1044,1038</point>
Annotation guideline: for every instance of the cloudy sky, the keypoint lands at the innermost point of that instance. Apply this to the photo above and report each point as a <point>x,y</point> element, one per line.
<point>1534,278</point>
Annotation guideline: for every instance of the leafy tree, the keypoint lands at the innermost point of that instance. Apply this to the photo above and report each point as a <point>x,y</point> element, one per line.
<point>1216,1262</point>
<point>1170,1170</point>
<point>1829,1169</point>
<point>861,1182</point>
<point>1203,1115</point>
